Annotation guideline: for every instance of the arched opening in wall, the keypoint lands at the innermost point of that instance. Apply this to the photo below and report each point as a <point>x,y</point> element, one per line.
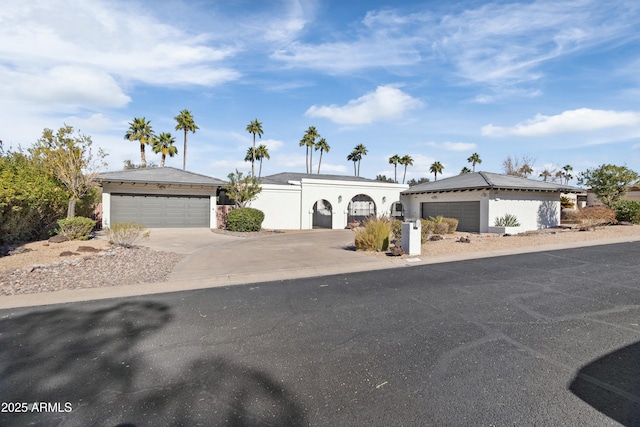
<point>322,214</point>
<point>396,211</point>
<point>360,208</point>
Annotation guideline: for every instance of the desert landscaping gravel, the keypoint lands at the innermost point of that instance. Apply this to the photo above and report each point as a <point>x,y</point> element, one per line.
<point>39,267</point>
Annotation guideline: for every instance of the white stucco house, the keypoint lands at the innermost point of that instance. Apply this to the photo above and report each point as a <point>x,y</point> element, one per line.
<point>477,199</point>
<point>161,197</point>
<point>299,201</point>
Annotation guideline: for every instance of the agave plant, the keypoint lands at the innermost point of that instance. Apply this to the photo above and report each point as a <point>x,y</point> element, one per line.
<point>507,220</point>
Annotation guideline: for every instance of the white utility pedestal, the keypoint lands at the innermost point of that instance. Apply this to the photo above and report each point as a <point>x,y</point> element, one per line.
<point>411,237</point>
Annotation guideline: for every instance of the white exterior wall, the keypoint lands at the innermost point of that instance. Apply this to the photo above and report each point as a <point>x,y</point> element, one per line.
<point>534,209</point>
<point>290,207</point>
<point>413,203</point>
<point>281,206</point>
<point>160,190</point>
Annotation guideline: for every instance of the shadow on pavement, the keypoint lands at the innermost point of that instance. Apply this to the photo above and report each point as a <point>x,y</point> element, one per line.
<point>92,359</point>
<point>611,384</point>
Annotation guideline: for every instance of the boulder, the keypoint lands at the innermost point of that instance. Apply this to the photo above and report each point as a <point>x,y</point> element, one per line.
<point>464,239</point>
<point>68,253</point>
<point>397,251</point>
<point>436,237</point>
<point>58,239</point>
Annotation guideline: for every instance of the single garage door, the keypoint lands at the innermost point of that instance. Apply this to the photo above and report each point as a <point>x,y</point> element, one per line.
<point>160,211</point>
<point>467,213</point>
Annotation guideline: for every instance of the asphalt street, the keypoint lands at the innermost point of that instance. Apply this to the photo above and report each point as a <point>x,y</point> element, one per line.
<point>549,338</point>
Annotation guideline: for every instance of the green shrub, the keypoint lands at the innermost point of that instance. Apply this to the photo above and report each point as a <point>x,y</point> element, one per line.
<point>628,211</point>
<point>596,216</point>
<point>76,228</point>
<point>374,236</point>
<point>507,220</point>
<point>127,234</point>
<point>245,219</point>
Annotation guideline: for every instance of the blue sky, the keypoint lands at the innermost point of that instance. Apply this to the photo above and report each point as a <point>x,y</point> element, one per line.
<point>555,81</point>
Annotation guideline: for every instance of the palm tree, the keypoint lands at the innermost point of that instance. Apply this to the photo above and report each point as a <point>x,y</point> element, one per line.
<point>436,168</point>
<point>362,151</point>
<point>545,174</point>
<point>474,159</point>
<point>465,170</point>
<point>164,144</point>
<point>186,124</point>
<point>309,141</point>
<point>324,148</point>
<point>525,170</point>
<point>558,176</point>
<point>566,175</point>
<point>255,128</point>
<point>354,157</point>
<point>140,130</point>
<point>262,152</point>
<point>406,160</point>
<point>394,160</point>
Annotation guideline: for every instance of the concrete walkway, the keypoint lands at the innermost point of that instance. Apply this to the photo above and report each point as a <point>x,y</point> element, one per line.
<point>214,260</point>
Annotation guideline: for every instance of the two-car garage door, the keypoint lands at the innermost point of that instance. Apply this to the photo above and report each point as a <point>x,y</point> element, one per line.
<point>161,211</point>
<point>467,213</point>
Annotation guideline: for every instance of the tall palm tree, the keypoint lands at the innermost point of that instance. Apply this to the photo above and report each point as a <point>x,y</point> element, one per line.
<point>566,175</point>
<point>309,139</point>
<point>474,159</point>
<point>362,150</point>
<point>140,130</point>
<point>262,152</point>
<point>558,176</point>
<point>255,128</point>
<point>324,148</point>
<point>394,160</point>
<point>436,168</point>
<point>545,174</point>
<point>405,160</point>
<point>354,157</point>
<point>164,144</point>
<point>465,170</point>
<point>186,124</point>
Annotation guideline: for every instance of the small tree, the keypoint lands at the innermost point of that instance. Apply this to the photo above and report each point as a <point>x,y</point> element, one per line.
<point>609,182</point>
<point>69,158</point>
<point>242,189</point>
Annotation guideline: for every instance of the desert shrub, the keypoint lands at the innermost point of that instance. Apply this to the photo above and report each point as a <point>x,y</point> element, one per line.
<point>427,227</point>
<point>31,200</point>
<point>127,234</point>
<point>245,219</point>
<point>628,211</point>
<point>507,220</point>
<point>76,228</point>
<point>596,216</point>
<point>566,203</point>
<point>374,235</point>
<point>452,224</point>
<point>396,229</point>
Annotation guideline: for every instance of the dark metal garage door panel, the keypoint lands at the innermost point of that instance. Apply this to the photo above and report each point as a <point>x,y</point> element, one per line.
<point>467,213</point>
<point>161,211</point>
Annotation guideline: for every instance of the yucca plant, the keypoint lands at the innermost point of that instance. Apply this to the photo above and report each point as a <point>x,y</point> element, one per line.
<point>507,220</point>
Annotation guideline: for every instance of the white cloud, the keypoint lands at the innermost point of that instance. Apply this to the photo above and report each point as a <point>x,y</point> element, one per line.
<point>580,120</point>
<point>272,144</point>
<point>386,103</point>
<point>454,146</point>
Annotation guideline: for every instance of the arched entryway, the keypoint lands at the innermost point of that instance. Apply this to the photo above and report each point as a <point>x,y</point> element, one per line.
<point>322,214</point>
<point>396,211</point>
<point>360,208</point>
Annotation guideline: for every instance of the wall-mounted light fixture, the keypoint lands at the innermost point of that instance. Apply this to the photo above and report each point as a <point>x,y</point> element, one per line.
<point>339,199</point>
<point>384,199</point>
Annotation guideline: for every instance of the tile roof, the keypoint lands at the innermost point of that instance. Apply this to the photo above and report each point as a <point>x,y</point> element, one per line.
<point>489,181</point>
<point>160,175</point>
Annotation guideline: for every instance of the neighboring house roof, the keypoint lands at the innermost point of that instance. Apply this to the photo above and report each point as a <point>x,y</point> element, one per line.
<point>285,177</point>
<point>159,175</point>
<point>489,181</point>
